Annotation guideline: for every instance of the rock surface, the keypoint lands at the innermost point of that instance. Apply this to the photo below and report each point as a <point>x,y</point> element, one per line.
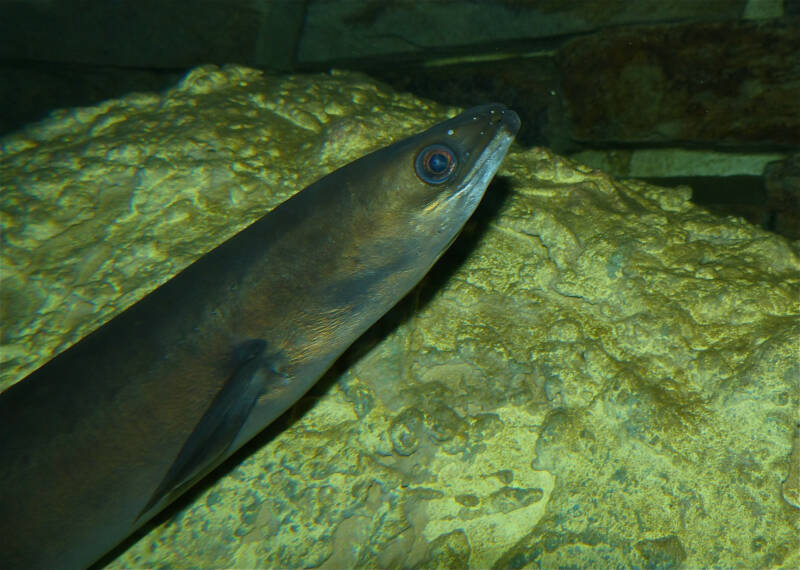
<point>720,83</point>
<point>598,374</point>
<point>782,181</point>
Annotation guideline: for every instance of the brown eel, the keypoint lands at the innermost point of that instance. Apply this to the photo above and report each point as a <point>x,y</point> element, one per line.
<point>110,431</point>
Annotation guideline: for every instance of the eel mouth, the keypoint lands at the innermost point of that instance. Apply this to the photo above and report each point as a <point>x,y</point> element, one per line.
<point>488,162</point>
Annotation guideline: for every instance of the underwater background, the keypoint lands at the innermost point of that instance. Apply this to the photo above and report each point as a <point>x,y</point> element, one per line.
<point>603,370</point>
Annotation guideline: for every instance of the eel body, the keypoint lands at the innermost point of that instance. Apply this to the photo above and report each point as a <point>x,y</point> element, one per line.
<point>106,434</point>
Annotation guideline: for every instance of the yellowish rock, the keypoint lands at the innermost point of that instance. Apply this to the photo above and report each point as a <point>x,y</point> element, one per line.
<point>598,373</point>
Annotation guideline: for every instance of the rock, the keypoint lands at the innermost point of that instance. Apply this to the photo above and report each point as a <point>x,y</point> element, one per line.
<point>354,31</point>
<point>782,181</point>
<point>722,83</point>
<point>599,373</point>
<point>150,34</point>
<point>791,485</point>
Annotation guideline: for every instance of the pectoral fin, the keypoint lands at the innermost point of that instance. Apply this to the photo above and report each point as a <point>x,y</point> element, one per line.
<point>221,422</point>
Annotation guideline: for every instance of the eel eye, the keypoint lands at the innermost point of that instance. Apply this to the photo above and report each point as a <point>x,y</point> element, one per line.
<point>435,164</point>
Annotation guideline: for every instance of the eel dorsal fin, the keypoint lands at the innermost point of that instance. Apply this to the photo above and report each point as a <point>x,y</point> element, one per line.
<point>221,422</point>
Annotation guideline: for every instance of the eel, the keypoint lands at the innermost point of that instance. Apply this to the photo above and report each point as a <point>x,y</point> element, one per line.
<point>102,437</point>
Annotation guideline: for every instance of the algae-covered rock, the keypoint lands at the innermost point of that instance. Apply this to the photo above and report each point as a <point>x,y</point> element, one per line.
<point>599,373</point>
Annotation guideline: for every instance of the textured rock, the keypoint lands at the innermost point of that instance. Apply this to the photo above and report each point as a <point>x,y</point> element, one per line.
<point>719,83</point>
<point>782,181</point>
<point>598,374</point>
<point>342,29</point>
